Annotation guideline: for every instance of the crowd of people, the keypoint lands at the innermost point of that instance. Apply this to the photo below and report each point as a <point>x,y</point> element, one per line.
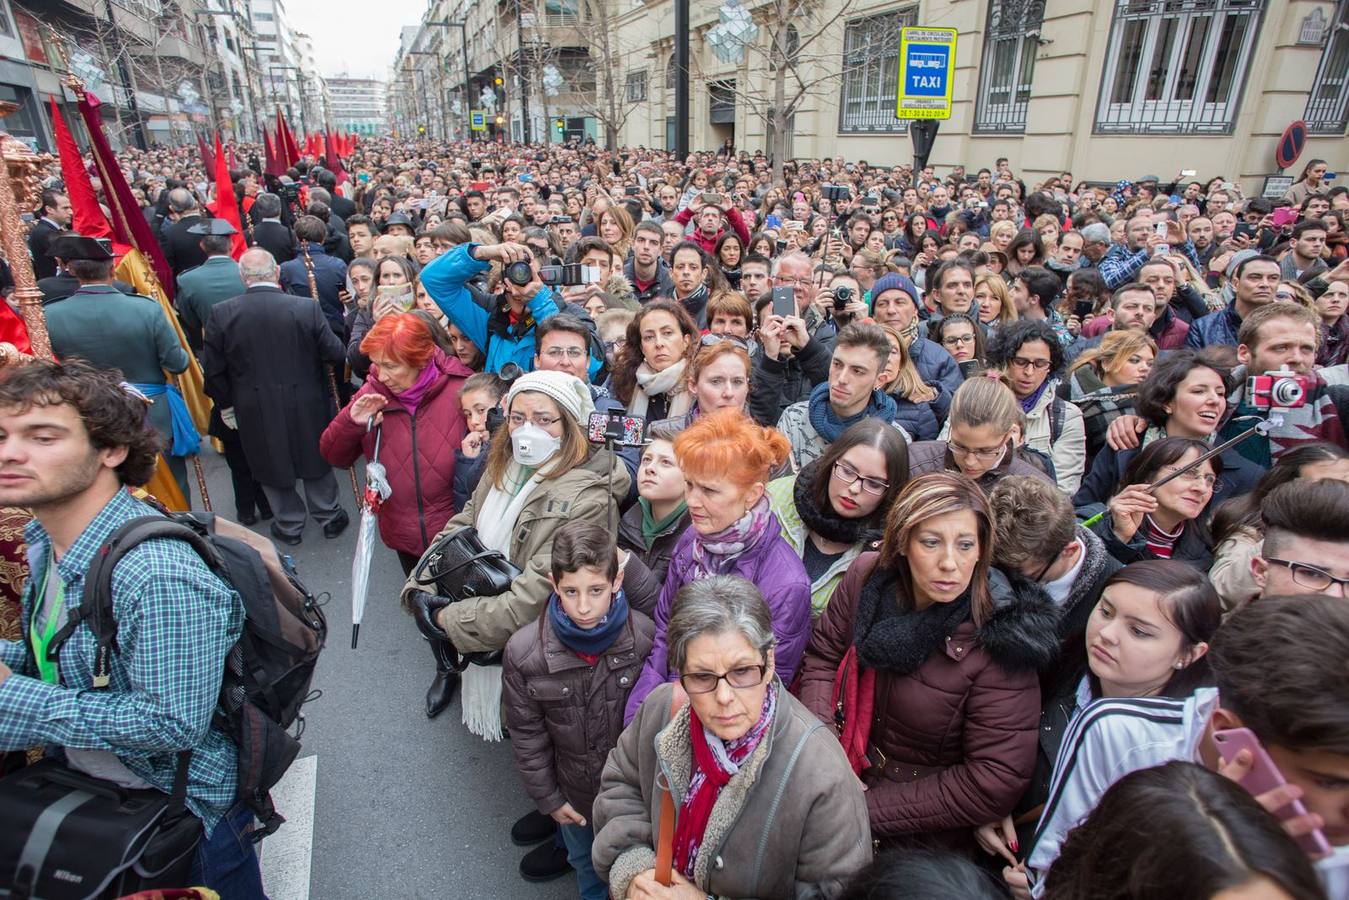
<point>869,533</point>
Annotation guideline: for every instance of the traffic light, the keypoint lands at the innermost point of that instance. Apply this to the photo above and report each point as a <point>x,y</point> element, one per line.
<point>501,120</point>
<point>559,124</point>
<point>498,81</point>
<point>421,129</point>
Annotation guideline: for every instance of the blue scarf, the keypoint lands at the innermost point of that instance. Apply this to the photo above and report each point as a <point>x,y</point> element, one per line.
<point>830,426</point>
<point>593,641</point>
<point>186,441</point>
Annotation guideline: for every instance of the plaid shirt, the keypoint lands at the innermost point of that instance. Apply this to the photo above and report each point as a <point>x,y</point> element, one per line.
<point>176,622</point>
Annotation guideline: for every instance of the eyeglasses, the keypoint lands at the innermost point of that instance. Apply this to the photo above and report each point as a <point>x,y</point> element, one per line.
<point>711,340</point>
<point>615,345</point>
<point>1039,365</point>
<point>560,353</point>
<point>741,678</point>
<point>980,452</point>
<point>847,474</point>
<point>953,340</point>
<point>1193,476</point>
<point>1310,577</point>
<point>781,281</point>
<point>540,419</point>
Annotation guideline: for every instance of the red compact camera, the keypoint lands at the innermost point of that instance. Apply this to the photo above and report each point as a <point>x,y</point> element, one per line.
<point>1278,390</point>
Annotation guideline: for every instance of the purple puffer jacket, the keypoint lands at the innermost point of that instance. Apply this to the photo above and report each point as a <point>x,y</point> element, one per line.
<point>775,568</point>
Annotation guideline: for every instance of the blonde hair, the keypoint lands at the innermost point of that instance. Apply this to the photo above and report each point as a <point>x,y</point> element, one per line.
<point>1114,350</point>
<point>574,451</point>
<point>997,286</point>
<point>986,400</point>
<point>619,214</point>
<point>1002,227</point>
<point>908,383</point>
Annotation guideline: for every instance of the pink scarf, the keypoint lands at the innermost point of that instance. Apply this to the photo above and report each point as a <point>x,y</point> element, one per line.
<point>714,553</point>
<point>413,396</point>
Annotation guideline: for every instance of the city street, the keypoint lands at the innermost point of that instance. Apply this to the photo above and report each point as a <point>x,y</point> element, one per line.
<point>383,802</point>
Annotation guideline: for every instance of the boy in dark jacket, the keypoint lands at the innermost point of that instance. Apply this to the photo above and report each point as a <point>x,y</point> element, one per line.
<point>567,677</point>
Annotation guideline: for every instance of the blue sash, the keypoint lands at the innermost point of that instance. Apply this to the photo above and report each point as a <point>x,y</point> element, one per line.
<point>186,441</point>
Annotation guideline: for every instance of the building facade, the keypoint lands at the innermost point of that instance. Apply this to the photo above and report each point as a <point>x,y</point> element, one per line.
<point>1101,88</point>
<point>357,105</point>
<point>144,59</point>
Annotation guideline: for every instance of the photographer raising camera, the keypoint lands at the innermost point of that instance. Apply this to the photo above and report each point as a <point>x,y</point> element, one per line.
<point>506,333</point>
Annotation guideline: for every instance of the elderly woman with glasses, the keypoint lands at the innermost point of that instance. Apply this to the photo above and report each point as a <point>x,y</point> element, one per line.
<point>765,804</point>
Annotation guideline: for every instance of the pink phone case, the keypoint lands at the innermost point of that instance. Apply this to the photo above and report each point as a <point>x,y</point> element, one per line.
<point>1265,776</point>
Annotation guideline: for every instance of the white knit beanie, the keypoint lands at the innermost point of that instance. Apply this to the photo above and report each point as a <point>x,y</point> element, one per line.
<point>570,393</point>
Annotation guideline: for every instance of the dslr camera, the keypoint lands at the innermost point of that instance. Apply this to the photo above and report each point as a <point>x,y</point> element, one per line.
<point>1278,390</point>
<point>569,275</point>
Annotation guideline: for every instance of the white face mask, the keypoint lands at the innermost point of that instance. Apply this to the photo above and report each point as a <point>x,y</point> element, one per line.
<point>532,446</point>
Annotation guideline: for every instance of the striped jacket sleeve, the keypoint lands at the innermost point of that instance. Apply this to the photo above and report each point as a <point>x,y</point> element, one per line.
<point>1108,740</point>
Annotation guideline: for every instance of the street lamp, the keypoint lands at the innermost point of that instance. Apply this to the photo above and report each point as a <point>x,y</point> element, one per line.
<point>440,88</point>
<point>463,40</point>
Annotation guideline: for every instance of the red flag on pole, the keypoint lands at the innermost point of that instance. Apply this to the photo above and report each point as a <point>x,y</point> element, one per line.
<point>225,205</point>
<point>207,158</point>
<point>89,219</point>
<point>128,224</point>
<point>333,151</point>
<point>287,150</point>
<point>229,158</point>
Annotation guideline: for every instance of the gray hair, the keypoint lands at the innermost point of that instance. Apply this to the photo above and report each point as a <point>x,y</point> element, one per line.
<point>1096,233</point>
<point>794,256</point>
<point>257,264</point>
<point>181,200</point>
<point>321,195</point>
<point>717,605</point>
<point>267,205</point>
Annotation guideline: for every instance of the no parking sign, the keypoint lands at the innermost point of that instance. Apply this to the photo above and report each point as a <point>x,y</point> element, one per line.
<point>927,62</point>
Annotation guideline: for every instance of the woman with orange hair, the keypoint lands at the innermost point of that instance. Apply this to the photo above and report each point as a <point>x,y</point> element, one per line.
<point>727,461</point>
<point>410,405</point>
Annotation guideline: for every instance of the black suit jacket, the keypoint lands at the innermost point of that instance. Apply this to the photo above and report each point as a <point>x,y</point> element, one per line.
<point>342,206</point>
<point>265,354</point>
<point>39,238</point>
<point>182,250</point>
<point>276,239</point>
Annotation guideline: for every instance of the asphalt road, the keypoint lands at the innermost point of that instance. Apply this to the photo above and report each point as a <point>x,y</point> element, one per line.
<point>402,806</point>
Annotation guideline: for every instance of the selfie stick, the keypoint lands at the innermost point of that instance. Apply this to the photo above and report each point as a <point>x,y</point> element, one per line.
<point>1262,427</point>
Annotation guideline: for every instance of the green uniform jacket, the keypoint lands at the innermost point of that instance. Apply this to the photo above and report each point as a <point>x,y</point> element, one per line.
<point>203,287</point>
<point>111,330</point>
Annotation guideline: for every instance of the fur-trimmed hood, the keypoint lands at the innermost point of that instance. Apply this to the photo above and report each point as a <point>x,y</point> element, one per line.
<point>1023,632</point>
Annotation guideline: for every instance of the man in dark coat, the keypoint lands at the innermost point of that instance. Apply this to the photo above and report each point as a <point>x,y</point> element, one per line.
<point>270,233</point>
<point>264,359</point>
<point>55,218</point>
<point>182,248</point>
<point>330,273</point>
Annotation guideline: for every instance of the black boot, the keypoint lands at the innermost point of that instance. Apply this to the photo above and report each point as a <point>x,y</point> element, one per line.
<point>446,682</point>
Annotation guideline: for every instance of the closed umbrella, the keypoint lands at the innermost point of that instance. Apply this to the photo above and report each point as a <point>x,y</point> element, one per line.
<point>377,490</point>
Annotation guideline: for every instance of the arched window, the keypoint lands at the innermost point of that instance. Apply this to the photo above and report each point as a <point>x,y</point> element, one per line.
<point>671,74</point>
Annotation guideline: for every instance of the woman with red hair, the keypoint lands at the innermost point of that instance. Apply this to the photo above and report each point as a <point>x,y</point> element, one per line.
<point>412,398</point>
<point>727,461</point>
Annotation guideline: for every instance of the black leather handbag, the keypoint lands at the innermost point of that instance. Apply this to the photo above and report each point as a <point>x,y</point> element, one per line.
<point>459,567</point>
<point>69,836</point>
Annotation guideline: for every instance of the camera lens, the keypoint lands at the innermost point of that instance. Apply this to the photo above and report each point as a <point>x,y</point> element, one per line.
<point>519,273</point>
<point>1286,392</point>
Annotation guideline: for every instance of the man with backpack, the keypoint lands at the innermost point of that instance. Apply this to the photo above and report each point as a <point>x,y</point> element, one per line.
<point>71,440</point>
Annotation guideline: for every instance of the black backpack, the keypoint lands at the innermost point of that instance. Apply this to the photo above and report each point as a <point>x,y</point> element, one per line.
<point>267,673</point>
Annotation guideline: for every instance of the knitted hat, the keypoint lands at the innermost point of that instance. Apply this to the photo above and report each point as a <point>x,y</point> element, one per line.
<point>895,282</point>
<point>1238,258</point>
<point>570,393</point>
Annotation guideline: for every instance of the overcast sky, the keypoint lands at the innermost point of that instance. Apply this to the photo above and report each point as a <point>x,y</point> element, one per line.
<point>358,38</point>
